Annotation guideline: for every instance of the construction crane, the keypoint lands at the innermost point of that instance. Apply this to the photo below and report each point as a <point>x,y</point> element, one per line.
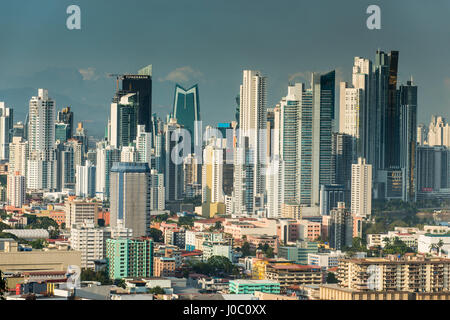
<point>117,76</point>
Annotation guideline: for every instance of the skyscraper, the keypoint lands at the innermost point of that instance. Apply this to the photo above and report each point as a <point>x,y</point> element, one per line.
<point>438,132</point>
<point>82,137</point>
<point>106,157</point>
<point>433,171</point>
<point>362,79</point>
<point>243,193</point>
<point>62,132</point>
<point>85,180</point>
<point>381,80</point>
<point>157,191</point>
<point>129,258</point>
<point>143,145</point>
<point>130,197</point>
<point>173,171</point>
<point>124,110</point>
<point>41,174</point>
<point>212,180</point>
<point>393,116</point>
<point>361,202</point>
<point>17,190</point>
<point>316,118</point>
<point>141,84</point>
<point>6,130</point>
<point>343,157</point>
<point>252,123</point>
<point>65,116</point>
<point>408,137</point>
<point>290,143</point>
<point>186,109</point>
<point>330,195</point>
<point>341,227</point>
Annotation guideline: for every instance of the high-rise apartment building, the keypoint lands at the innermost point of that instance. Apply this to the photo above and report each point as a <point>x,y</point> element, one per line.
<point>143,144</point>
<point>330,196</point>
<point>433,171</point>
<point>130,197</point>
<point>78,210</point>
<point>408,138</point>
<point>65,116</point>
<point>89,240</point>
<point>212,180</point>
<point>106,157</point>
<point>361,201</point>
<point>252,123</point>
<point>173,169</point>
<point>438,132</point>
<point>243,193</point>
<point>6,126</point>
<point>340,231</point>
<point>41,168</point>
<point>157,191</point>
<point>129,258</point>
<point>316,118</point>
<point>85,180</point>
<point>124,110</point>
<point>17,190</point>
<point>407,274</point>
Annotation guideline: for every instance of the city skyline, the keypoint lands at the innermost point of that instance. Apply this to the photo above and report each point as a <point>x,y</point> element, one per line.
<point>224,150</point>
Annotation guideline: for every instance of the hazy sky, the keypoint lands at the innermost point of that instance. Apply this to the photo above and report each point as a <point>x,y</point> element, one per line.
<point>210,42</point>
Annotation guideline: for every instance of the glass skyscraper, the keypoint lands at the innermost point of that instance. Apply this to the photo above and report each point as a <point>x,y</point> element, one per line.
<point>142,85</point>
<point>186,109</point>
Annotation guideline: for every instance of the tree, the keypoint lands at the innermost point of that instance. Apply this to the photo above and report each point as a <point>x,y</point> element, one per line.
<point>269,252</point>
<point>120,283</point>
<point>157,290</point>
<point>99,276</point>
<point>156,235</point>
<point>439,245</point>
<point>397,247</point>
<point>2,286</point>
<point>387,242</point>
<point>331,278</point>
<point>185,221</point>
<point>37,244</point>
<point>246,249</point>
<point>218,225</point>
<point>432,247</point>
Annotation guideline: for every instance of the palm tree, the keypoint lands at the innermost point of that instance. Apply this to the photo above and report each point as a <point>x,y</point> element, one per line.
<point>439,245</point>
<point>432,247</point>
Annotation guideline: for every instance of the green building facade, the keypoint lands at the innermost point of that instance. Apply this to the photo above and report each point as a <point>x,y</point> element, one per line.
<point>129,258</point>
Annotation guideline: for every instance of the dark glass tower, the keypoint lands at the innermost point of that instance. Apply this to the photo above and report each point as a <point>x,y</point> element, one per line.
<point>408,136</point>
<point>142,85</point>
<point>65,116</point>
<point>392,152</point>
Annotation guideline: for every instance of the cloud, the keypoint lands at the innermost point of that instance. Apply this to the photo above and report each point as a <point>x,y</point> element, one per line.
<point>300,75</point>
<point>182,74</point>
<point>447,82</point>
<point>88,73</point>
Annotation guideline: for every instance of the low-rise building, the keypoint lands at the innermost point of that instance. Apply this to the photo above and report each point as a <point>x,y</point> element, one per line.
<point>325,260</point>
<point>163,267</point>
<point>250,286</point>
<point>293,274</point>
<point>412,273</point>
